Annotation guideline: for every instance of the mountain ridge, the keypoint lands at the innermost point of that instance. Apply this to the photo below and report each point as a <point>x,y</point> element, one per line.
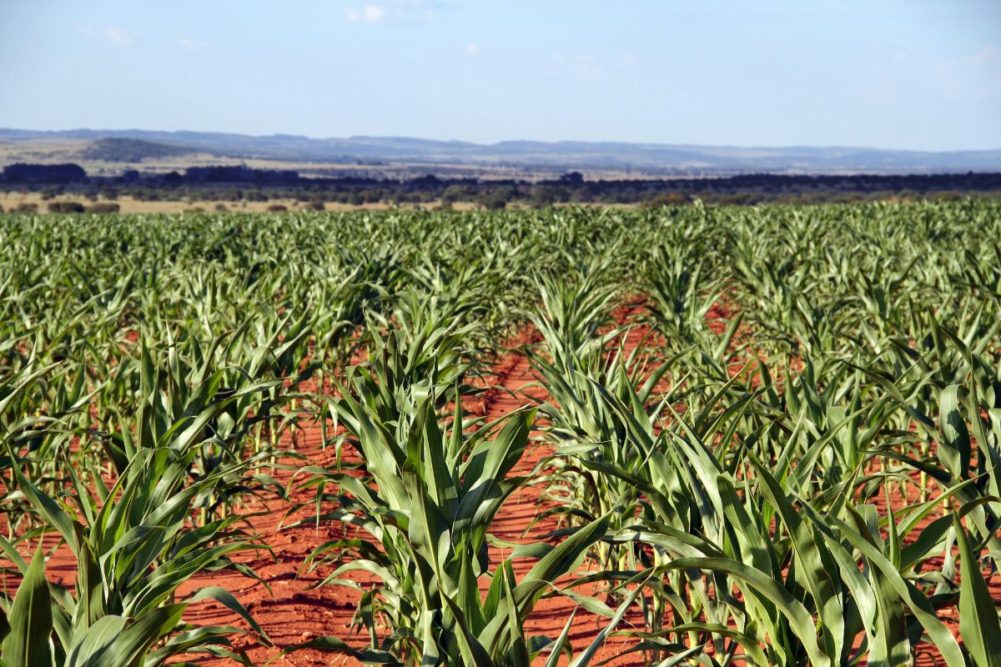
<point>555,155</point>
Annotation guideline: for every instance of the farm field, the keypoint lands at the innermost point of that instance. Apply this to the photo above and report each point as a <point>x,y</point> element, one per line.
<point>680,436</point>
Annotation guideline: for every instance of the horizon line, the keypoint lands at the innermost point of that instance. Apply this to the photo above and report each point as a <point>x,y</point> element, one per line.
<point>508,141</point>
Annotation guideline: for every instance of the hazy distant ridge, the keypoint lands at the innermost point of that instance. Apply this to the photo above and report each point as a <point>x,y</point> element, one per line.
<point>554,155</point>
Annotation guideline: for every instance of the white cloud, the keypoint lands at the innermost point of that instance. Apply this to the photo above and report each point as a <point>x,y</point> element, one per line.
<point>985,56</point>
<point>413,12</point>
<point>189,44</point>
<point>588,67</point>
<point>977,74</point>
<point>118,35</point>
<point>367,14</point>
<point>472,49</point>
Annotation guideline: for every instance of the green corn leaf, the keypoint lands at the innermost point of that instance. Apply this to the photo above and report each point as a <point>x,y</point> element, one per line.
<point>905,591</point>
<point>798,617</point>
<point>585,658</point>
<point>954,448</point>
<point>335,645</point>
<point>131,645</point>
<point>226,598</point>
<point>978,613</point>
<point>49,509</point>
<point>91,643</point>
<point>561,643</point>
<point>28,642</point>
<point>815,564</point>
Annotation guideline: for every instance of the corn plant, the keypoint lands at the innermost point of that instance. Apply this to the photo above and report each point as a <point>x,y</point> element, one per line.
<point>427,508</point>
<point>134,546</point>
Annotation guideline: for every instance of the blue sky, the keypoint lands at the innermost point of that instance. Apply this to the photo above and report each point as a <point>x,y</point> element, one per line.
<point>890,73</point>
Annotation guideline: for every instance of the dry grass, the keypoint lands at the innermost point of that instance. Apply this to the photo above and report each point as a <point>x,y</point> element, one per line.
<point>10,200</point>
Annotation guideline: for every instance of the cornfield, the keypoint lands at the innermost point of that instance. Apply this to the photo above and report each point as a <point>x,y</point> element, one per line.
<point>685,436</point>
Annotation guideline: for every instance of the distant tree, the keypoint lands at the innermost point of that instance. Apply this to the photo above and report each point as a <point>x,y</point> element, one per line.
<point>497,199</point>
<point>574,179</point>
<point>454,193</point>
<point>26,207</point>
<point>541,196</point>
<point>582,195</point>
<point>43,173</point>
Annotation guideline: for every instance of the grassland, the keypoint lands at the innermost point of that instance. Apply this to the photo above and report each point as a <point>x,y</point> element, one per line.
<point>10,201</point>
<point>677,436</point>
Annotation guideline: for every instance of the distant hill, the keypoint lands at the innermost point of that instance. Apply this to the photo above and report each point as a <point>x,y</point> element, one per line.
<point>122,149</point>
<point>667,159</point>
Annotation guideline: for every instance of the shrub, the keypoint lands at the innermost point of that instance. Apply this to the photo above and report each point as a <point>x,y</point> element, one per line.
<point>66,207</point>
<point>278,208</point>
<point>26,207</point>
<point>541,196</point>
<point>497,198</point>
<point>104,207</point>
<point>667,199</point>
<point>493,202</point>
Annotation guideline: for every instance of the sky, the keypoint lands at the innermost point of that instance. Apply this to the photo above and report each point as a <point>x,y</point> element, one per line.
<point>910,74</point>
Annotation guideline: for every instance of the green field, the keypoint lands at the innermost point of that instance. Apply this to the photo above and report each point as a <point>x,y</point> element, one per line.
<point>765,436</point>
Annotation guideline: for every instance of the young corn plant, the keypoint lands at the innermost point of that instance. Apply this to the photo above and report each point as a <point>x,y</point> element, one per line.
<point>134,546</point>
<point>604,418</point>
<point>431,489</point>
<point>426,506</point>
<point>181,384</point>
<point>680,292</point>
